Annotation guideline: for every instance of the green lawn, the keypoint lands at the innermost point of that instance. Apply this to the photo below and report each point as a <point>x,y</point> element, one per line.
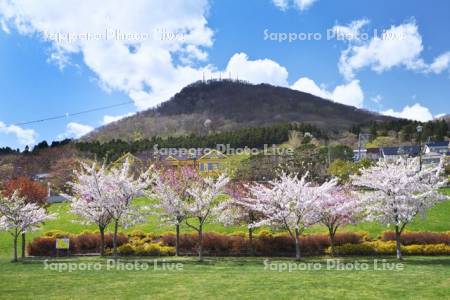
<point>422,277</point>
<point>219,278</point>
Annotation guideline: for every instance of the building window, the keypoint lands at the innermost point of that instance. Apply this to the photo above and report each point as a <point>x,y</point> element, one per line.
<point>202,167</point>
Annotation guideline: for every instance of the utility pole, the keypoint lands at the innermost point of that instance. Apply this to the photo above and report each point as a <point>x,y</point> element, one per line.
<point>419,133</point>
<point>361,137</point>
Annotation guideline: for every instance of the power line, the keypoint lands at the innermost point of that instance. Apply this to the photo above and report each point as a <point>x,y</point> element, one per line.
<point>73,114</point>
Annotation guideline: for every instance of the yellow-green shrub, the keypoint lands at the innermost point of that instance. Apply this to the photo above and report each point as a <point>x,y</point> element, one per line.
<point>264,234</point>
<point>57,234</point>
<point>384,248</point>
<point>364,248</point>
<point>432,249</point>
<point>137,234</point>
<point>389,247</point>
<point>126,249</point>
<point>238,233</point>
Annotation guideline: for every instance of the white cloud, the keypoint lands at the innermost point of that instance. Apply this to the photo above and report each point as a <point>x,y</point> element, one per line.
<point>75,130</point>
<point>440,63</point>
<point>398,46</point>
<point>299,4</point>
<point>439,116</point>
<point>351,32</point>
<point>109,119</point>
<point>281,4</point>
<point>349,94</point>
<point>304,4</point>
<point>377,99</point>
<point>257,71</point>
<point>148,69</point>
<point>24,136</point>
<point>415,112</point>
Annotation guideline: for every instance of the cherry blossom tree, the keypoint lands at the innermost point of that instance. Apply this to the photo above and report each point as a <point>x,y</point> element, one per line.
<point>17,217</point>
<point>105,195</point>
<point>32,191</point>
<point>203,204</point>
<point>337,209</point>
<point>237,210</point>
<point>290,203</point>
<point>93,212</point>
<point>171,189</point>
<point>399,191</point>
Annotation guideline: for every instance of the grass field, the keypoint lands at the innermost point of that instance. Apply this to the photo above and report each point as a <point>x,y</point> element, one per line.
<point>218,278</point>
<point>422,277</point>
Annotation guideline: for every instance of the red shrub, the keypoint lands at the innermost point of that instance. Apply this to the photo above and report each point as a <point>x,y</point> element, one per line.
<point>83,243</point>
<point>46,246</point>
<point>121,239</point>
<point>88,242</point>
<point>264,244</point>
<point>419,238</point>
<point>42,246</point>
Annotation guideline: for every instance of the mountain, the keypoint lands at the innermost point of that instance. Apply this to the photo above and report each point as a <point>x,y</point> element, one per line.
<point>216,106</point>
<point>445,117</point>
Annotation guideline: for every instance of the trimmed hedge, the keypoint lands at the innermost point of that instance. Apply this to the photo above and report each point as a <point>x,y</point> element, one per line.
<point>139,243</point>
<point>264,244</point>
<point>419,238</point>
<point>86,242</point>
<point>388,248</point>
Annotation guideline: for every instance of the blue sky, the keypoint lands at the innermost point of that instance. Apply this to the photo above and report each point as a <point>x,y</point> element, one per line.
<point>404,73</point>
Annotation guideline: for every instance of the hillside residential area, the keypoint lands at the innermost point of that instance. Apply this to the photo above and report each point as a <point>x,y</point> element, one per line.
<point>199,149</point>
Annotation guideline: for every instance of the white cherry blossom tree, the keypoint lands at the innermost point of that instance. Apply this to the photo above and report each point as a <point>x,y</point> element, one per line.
<point>17,217</point>
<point>171,189</point>
<point>290,203</point>
<point>237,210</point>
<point>105,195</point>
<point>203,204</point>
<point>337,209</point>
<point>397,191</point>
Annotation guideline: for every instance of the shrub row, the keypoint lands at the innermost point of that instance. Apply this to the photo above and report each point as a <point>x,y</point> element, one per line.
<point>264,244</point>
<point>419,238</point>
<point>237,244</point>
<point>388,248</point>
<point>146,249</point>
<point>86,242</point>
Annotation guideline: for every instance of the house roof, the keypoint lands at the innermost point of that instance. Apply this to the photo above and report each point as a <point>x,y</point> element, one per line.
<point>438,144</point>
<point>373,150</point>
<point>409,150</point>
<point>197,154</point>
<point>213,154</point>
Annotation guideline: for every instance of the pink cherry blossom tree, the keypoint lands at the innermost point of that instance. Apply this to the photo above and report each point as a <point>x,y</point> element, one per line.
<point>108,193</point>
<point>398,191</point>
<point>92,210</point>
<point>17,217</point>
<point>203,204</point>
<point>171,189</point>
<point>237,210</point>
<point>289,202</point>
<point>337,209</point>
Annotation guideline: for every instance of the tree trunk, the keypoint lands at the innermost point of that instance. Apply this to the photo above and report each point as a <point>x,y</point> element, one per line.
<point>332,235</point>
<point>116,227</point>
<point>177,240</point>
<point>200,242</point>
<point>102,241</point>
<point>250,239</point>
<point>15,248</point>
<point>297,245</point>
<point>398,242</point>
<point>23,244</point>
